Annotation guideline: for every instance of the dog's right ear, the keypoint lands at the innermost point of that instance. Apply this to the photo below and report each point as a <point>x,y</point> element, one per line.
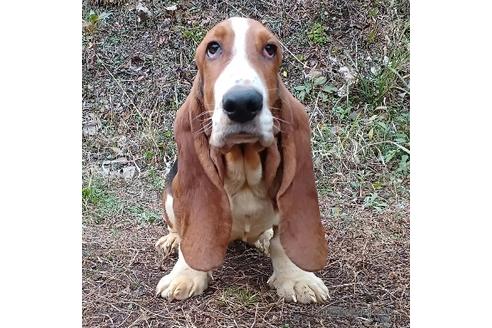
<point>301,232</point>
<point>200,203</point>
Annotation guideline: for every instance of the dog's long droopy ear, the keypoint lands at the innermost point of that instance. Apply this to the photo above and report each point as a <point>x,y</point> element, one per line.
<point>200,203</point>
<point>301,233</point>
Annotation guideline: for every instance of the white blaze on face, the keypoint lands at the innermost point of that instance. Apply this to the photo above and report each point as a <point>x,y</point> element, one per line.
<point>239,71</point>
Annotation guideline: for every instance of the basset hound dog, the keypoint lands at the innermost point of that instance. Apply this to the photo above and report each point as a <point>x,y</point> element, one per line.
<point>244,170</point>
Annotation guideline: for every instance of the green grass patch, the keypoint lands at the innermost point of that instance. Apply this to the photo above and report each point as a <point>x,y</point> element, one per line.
<point>317,34</point>
<point>93,20</point>
<point>156,179</point>
<point>144,215</point>
<point>193,33</point>
<point>375,201</point>
<point>315,89</point>
<point>98,202</point>
<point>388,80</point>
<point>240,295</point>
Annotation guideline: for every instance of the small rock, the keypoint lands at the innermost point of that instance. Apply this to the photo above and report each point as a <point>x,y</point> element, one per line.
<point>90,130</point>
<point>385,60</point>
<point>333,60</point>
<point>172,8</point>
<point>166,22</point>
<point>92,124</point>
<point>342,91</point>
<point>314,73</point>
<point>128,172</point>
<point>143,12</point>
<point>348,76</point>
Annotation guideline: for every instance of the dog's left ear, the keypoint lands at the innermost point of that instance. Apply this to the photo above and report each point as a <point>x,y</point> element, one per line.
<point>301,233</point>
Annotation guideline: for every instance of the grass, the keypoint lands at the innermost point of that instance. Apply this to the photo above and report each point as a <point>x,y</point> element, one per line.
<point>317,34</point>
<point>99,201</point>
<point>93,20</point>
<point>143,214</point>
<point>374,201</point>
<point>193,33</point>
<point>156,179</point>
<point>369,124</point>
<point>315,89</point>
<point>239,295</point>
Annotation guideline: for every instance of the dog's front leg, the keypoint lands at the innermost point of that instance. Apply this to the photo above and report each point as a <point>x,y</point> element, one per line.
<point>292,283</point>
<point>182,282</point>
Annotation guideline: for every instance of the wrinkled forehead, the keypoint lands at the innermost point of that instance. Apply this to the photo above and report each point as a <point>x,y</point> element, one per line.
<point>221,31</point>
<point>238,31</point>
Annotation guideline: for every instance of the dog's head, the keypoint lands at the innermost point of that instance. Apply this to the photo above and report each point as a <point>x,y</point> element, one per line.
<point>238,61</point>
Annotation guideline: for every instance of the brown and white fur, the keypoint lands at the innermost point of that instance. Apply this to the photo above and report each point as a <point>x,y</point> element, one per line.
<point>249,181</point>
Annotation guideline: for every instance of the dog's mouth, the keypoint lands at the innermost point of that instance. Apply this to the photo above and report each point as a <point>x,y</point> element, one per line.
<point>241,138</point>
<point>224,137</point>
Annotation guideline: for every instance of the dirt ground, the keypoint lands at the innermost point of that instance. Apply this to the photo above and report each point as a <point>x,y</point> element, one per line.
<point>137,73</point>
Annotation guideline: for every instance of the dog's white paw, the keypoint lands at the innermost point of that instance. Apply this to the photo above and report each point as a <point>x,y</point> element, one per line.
<point>167,244</point>
<point>303,287</point>
<point>182,285</point>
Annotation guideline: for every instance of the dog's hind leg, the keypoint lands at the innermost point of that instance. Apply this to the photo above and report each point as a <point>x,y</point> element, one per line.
<point>262,243</point>
<point>170,242</point>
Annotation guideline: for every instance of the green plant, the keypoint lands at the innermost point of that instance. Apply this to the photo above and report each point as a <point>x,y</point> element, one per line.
<point>404,165</point>
<point>380,83</point>
<point>93,20</point>
<point>315,87</point>
<point>167,145</point>
<point>144,215</point>
<point>374,201</point>
<point>113,40</point>
<point>194,33</point>
<point>92,193</point>
<point>317,34</point>
<point>372,36</point>
<point>102,202</point>
<point>156,179</point>
<point>149,155</point>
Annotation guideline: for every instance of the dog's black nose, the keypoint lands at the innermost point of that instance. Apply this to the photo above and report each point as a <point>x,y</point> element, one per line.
<point>241,103</point>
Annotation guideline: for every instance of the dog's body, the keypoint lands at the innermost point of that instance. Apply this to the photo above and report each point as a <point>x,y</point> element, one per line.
<point>240,176</point>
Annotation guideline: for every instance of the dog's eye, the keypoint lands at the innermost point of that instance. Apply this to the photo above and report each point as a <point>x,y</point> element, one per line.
<point>270,50</point>
<point>213,49</point>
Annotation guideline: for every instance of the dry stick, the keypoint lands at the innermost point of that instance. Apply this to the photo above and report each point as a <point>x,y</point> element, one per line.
<point>399,76</point>
<point>390,142</point>
<point>304,66</point>
<point>256,313</point>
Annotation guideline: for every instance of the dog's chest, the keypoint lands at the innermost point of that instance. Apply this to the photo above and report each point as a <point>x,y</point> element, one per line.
<point>252,209</point>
